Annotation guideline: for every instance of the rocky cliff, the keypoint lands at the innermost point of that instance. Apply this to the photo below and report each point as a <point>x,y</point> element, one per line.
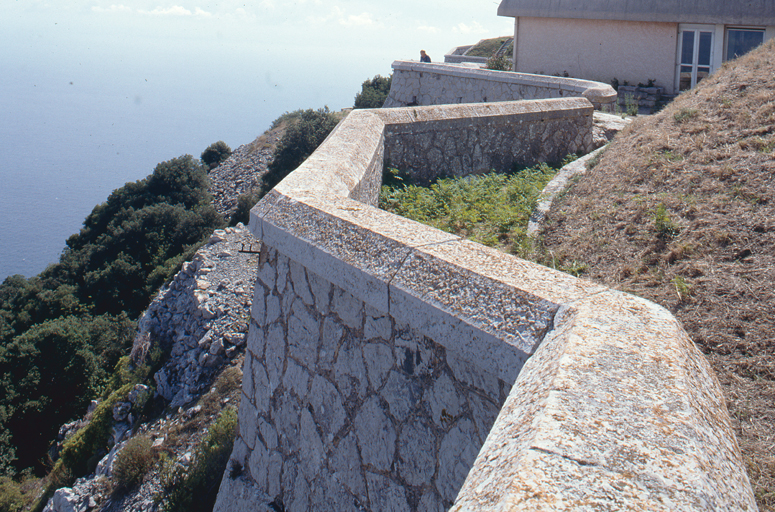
<point>200,320</point>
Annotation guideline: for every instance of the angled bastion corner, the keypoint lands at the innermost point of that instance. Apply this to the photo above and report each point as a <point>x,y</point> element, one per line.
<point>383,354</point>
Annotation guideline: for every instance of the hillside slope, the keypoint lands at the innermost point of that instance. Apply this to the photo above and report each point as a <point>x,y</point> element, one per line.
<point>680,209</point>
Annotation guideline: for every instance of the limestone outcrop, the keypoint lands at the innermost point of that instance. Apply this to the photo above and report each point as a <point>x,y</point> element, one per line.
<point>201,318</point>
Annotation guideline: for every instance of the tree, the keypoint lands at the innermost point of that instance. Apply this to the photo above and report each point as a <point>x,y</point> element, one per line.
<point>299,141</point>
<point>55,352</point>
<point>215,153</point>
<point>374,92</point>
<point>50,373</point>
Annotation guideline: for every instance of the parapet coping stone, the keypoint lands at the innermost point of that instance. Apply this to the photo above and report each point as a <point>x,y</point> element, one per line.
<point>558,184</point>
<point>616,409</point>
<point>596,92</point>
<point>407,119</point>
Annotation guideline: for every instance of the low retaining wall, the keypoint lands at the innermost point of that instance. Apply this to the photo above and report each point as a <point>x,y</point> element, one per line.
<point>416,83</point>
<point>475,138</point>
<point>457,55</point>
<point>380,351</point>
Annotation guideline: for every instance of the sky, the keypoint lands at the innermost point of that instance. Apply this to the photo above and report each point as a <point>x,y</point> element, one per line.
<point>271,40</point>
<point>94,93</point>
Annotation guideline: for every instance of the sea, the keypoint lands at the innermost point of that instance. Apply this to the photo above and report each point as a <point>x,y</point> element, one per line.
<point>96,94</point>
<point>67,141</point>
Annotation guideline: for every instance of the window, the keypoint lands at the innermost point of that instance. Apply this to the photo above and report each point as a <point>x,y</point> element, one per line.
<point>695,54</point>
<point>742,40</point>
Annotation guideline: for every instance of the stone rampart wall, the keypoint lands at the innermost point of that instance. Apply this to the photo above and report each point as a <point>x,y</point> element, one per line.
<point>380,349</point>
<point>416,83</point>
<point>479,138</point>
<point>349,406</point>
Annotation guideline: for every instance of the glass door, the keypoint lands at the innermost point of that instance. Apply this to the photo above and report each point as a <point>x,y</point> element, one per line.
<point>695,54</point>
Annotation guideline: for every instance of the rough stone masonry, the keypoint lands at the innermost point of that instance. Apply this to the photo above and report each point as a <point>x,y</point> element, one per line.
<point>380,350</point>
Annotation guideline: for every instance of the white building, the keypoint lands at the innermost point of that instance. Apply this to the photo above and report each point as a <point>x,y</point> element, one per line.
<point>676,43</point>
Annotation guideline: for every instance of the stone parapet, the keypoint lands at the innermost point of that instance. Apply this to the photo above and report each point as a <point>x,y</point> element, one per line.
<point>416,83</point>
<point>475,138</point>
<point>382,353</point>
<point>617,410</point>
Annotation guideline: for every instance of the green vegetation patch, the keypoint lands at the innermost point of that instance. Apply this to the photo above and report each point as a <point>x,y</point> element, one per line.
<point>195,489</point>
<point>486,47</point>
<point>307,129</point>
<point>374,92</point>
<point>133,462</point>
<point>491,209</point>
<point>63,331</point>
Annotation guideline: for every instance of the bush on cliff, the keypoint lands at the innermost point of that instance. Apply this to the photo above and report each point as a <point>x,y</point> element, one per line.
<point>244,203</point>
<point>133,462</point>
<point>374,92</point>
<point>62,331</point>
<point>215,153</point>
<point>196,488</point>
<point>51,371</point>
<point>301,138</point>
<point>139,229</point>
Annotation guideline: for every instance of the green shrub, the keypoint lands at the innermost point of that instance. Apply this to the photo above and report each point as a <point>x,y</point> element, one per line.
<point>75,319</point>
<point>682,288</point>
<point>215,153</point>
<point>133,462</point>
<point>374,92</point>
<point>499,63</point>
<point>299,141</point>
<point>244,203</point>
<point>93,438</point>
<point>663,224</point>
<point>492,209</point>
<point>195,490</point>
<point>684,114</point>
<point>11,499</point>
<point>631,105</point>
<point>77,351</point>
<point>286,118</point>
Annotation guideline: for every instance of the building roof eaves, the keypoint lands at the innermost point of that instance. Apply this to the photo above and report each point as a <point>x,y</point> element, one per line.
<point>744,12</point>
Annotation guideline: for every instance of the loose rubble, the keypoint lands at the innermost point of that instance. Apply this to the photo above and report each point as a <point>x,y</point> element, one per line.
<point>201,317</point>
<point>242,172</point>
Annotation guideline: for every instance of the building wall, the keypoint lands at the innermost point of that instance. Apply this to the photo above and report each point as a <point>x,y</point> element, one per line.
<point>598,50</point>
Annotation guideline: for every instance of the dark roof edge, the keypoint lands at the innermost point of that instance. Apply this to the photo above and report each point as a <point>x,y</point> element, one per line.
<point>745,12</point>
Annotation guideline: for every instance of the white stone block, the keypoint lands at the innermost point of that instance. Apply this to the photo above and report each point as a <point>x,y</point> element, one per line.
<point>384,494</point>
<point>443,400</point>
<point>379,360</point>
<point>275,355</point>
<point>349,309</point>
<point>327,406</point>
<point>456,456</point>
<point>376,436</point>
<point>417,453</point>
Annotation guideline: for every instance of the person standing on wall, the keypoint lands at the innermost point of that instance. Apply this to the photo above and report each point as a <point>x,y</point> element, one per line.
<point>424,57</point>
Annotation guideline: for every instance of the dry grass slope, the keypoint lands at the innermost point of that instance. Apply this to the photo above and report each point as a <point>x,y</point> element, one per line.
<point>680,209</point>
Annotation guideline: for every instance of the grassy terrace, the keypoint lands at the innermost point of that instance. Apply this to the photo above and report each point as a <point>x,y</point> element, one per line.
<point>486,47</point>
<point>492,209</point>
